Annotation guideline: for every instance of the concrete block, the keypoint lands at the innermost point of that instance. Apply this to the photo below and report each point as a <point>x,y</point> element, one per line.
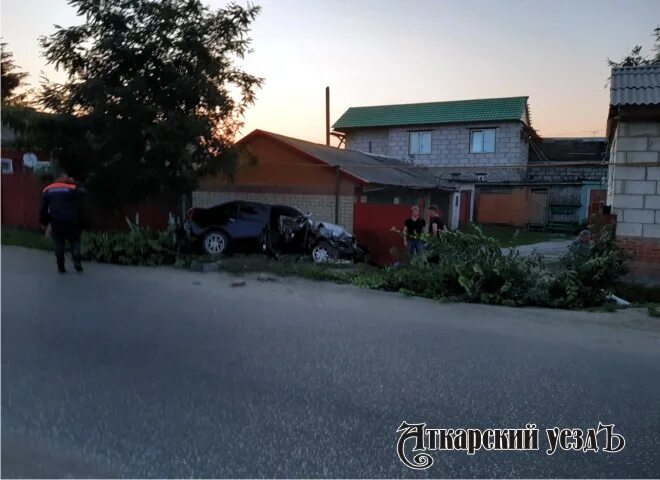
<point>652,202</point>
<point>653,173</point>
<point>639,187</point>
<point>630,173</point>
<point>643,129</point>
<point>641,157</point>
<point>657,217</point>
<point>638,216</point>
<point>628,201</point>
<point>654,144</point>
<point>632,144</point>
<point>651,231</point>
<point>629,229</point>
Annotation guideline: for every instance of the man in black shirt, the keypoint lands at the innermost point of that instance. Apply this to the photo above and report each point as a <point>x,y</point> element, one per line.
<point>412,231</point>
<point>436,225</point>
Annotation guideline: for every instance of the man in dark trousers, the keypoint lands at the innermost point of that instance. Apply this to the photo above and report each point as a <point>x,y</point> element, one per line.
<point>412,231</point>
<point>60,213</point>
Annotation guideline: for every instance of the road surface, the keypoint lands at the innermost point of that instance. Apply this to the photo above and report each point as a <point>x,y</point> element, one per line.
<point>156,372</point>
<point>551,250</point>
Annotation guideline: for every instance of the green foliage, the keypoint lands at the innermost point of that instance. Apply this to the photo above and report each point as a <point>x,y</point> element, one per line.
<point>12,79</point>
<point>471,267</point>
<point>134,247</point>
<point>153,96</point>
<point>636,58</point>
<point>511,236</point>
<point>26,238</point>
<point>588,271</point>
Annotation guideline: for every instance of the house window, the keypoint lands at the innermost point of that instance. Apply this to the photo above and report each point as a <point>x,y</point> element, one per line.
<point>7,166</point>
<point>420,143</point>
<point>482,141</point>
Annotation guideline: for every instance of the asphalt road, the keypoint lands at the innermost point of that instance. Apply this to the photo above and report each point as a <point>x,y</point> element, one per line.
<point>139,372</point>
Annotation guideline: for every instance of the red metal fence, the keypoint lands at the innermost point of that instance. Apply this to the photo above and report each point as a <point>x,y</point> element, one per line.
<point>372,224</point>
<point>21,197</point>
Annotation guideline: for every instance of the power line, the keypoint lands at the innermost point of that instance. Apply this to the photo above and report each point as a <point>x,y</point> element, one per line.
<point>571,133</point>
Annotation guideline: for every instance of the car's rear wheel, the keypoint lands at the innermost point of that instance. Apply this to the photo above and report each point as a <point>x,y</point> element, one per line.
<point>215,242</point>
<point>323,253</point>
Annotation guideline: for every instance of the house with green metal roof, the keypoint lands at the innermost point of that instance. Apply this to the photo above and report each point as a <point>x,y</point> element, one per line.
<point>471,140</point>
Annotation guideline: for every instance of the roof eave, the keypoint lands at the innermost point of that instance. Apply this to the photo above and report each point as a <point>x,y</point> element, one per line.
<point>430,124</point>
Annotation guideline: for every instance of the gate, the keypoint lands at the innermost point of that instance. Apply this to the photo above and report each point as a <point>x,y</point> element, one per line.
<point>538,215</point>
<point>596,199</point>
<point>372,225</point>
<point>464,209</point>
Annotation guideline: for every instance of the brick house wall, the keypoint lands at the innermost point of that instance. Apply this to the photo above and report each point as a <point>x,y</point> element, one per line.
<point>450,147</point>
<point>634,190</point>
<point>278,175</point>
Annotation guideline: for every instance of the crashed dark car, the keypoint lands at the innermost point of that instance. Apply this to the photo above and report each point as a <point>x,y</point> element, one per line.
<point>252,227</point>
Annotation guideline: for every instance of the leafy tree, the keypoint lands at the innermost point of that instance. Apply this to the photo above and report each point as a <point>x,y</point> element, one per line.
<point>12,79</point>
<point>636,58</point>
<point>656,47</point>
<point>153,95</point>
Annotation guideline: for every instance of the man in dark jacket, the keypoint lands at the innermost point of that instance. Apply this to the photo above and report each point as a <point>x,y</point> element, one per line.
<point>61,213</point>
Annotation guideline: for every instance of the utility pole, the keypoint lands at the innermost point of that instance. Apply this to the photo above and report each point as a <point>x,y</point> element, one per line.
<point>327,116</point>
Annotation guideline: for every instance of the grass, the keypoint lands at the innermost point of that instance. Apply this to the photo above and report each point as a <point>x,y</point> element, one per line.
<point>513,237</point>
<point>25,238</point>
<point>290,266</point>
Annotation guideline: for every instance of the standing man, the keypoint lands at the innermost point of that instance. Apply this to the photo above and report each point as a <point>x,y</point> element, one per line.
<point>60,213</point>
<point>412,231</point>
<point>436,225</point>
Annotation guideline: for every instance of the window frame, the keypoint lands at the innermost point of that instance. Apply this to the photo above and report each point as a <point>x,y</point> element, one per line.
<point>9,164</point>
<point>482,130</point>
<point>419,143</point>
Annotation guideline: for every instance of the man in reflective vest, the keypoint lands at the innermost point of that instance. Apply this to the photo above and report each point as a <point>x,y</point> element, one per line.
<point>61,213</point>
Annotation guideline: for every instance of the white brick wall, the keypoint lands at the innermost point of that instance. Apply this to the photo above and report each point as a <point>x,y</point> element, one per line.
<point>652,201</point>
<point>635,190</point>
<point>322,207</point>
<point>630,144</point>
<point>639,216</point>
<point>629,229</point>
<point>639,187</point>
<point>628,201</point>
<point>450,145</point>
<point>651,231</point>
<point>641,157</point>
<point>643,129</point>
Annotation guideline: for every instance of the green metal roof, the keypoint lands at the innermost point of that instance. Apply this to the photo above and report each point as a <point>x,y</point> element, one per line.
<point>460,111</point>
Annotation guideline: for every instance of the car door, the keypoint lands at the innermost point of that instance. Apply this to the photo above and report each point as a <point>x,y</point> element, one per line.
<point>226,216</point>
<point>252,220</point>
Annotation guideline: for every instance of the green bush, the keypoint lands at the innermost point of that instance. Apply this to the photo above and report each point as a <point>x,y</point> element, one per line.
<point>138,246</point>
<point>471,267</point>
<point>589,271</point>
<point>457,266</point>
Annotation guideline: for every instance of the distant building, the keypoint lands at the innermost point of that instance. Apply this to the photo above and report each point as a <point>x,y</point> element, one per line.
<point>505,173</point>
<point>472,138</point>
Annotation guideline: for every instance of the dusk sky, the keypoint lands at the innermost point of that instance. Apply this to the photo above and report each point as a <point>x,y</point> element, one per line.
<point>382,52</point>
